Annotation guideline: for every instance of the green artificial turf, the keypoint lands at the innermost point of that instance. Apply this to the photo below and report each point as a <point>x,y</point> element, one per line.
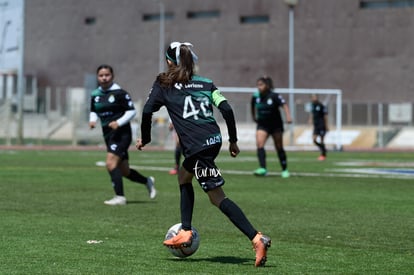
<point>321,220</point>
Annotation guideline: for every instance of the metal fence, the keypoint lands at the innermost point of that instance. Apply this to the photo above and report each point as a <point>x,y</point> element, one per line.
<point>59,116</point>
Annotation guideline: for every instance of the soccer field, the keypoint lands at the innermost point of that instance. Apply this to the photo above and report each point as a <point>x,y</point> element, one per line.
<point>353,214</point>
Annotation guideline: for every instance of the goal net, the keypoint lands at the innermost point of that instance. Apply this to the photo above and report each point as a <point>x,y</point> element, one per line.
<point>298,135</point>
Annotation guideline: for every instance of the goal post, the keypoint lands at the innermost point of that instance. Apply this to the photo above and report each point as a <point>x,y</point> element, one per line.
<point>328,92</point>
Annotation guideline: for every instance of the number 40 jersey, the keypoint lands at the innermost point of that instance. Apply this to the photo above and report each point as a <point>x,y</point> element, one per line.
<point>190,107</point>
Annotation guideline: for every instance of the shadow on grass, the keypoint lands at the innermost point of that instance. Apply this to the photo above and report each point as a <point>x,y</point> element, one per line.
<point>140,202</point>
<point>218,259</point>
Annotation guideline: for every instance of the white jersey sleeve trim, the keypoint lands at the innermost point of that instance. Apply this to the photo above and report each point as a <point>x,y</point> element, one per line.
<point>127,117</point>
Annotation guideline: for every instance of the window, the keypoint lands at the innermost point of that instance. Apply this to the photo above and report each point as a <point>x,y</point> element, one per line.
<point>90,20</point>
<point>157,17</point>
<point>203,14</point>
<point>254,19</point>
<point>378,4</point>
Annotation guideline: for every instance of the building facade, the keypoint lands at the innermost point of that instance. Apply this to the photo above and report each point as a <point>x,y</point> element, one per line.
<point>364,48</point>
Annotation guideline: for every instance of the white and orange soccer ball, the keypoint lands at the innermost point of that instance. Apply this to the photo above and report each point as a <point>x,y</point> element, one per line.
<point>183,252</point>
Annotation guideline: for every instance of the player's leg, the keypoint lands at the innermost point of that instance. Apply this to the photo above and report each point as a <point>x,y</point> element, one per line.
<point>323,147</point>
<point>177,156</point>
<point>281,153</point>
<point>229,208</point>
<point>112,165</point>
<point>261,138</point>
<point>137,177</point>
<point>318,133</point>
<point>232,211</point>
<point>184,237</point>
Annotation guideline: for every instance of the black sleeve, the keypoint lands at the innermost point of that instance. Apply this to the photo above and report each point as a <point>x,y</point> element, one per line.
<point>153,104</point>
<point>228,116</point>
<point>92,104</point>
<point>253,108</point>
<point>126,101</point>
<point>280,101</point>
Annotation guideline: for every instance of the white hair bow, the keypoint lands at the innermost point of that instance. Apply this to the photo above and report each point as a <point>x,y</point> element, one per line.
<point>177,46</point>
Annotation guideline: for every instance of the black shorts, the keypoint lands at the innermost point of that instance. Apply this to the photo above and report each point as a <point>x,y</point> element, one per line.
<point>319,131</point>
<point>118,142</point>
<point>204,168</point>
<point>271,129</point>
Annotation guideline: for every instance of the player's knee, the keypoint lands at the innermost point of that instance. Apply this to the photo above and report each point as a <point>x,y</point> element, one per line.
<point>110,165</point>
<point>184,176</point>
<point>216,197</point>
<point>279,147</point>
<point>125,172</point>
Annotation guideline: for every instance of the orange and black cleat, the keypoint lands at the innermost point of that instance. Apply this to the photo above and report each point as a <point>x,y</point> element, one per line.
<point>260,244</point>
<point>182,239</point>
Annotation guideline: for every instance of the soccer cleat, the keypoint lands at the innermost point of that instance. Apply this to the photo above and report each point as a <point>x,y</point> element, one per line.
<point>260,171</point>
<point>321,158</point>
<point>260,244</point>
<point>151,187</point>
<point>173,171</point>
<point>117,200</point>
<point>184,238</point>
<point>285,174</point>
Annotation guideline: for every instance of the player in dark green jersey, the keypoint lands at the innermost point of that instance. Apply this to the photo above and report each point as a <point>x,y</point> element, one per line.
<point>189,99</point>
<point>114,107</point>
<point>319,117</point>
<point>265,108</point>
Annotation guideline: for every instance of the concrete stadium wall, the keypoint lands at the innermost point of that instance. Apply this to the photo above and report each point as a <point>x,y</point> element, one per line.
<point>368,53</point>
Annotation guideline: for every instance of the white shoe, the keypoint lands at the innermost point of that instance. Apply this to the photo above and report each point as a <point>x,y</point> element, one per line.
<point>117,200</point>
<point>151,187</point>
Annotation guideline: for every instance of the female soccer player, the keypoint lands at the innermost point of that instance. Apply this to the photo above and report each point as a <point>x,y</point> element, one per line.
<point>189,99</point>
<point>265,106</point>
<point>319,117</point>
<point>113,106</point>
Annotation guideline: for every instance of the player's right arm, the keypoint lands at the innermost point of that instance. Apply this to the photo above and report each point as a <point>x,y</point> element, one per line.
<point>153,104</point>
<point>93,116</point>
<point>253,109</point>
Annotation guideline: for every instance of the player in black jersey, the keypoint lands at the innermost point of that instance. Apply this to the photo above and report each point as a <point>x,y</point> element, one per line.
<point>319,117</point>
<point>265,105</point>
<point>114,107</point>
<point>189,99</point>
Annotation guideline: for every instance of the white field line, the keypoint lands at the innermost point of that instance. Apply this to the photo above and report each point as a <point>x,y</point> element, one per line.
<point>295,174</point>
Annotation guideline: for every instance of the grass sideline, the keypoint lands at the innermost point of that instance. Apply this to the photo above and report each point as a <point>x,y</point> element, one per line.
<point>52,205</point>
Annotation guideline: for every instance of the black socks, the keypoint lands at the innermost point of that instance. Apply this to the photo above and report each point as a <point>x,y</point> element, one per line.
<point>322,147</point>
<point>282,158</point>
<point>261,155</point>
<point>136,176</point>
<point>237,217</point>
<point>186,205</point>
<point>116,177</point>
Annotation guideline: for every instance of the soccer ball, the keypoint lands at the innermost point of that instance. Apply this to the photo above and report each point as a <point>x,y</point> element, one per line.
<point>183,252</point>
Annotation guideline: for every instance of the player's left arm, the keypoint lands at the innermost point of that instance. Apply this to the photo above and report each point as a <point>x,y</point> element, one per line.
<point>325,118</point>
<point>282,102</point>
<point>227,112</point>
